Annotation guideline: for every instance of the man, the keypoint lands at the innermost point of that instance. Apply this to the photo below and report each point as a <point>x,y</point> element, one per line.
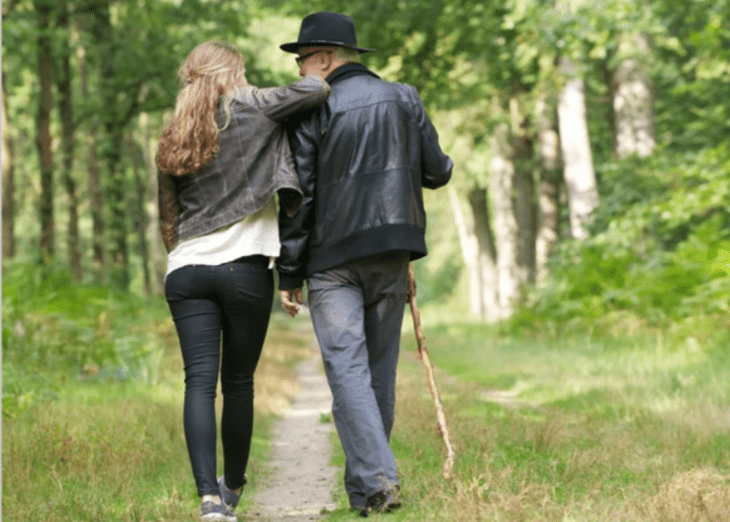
<point>362,160</point>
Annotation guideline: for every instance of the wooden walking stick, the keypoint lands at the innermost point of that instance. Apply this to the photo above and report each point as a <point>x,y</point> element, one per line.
<point>422,354</point>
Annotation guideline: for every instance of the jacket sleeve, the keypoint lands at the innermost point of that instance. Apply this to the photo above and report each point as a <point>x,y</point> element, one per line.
<point>294,231</point>
<point>280,103</point>
<point>169,208</point>
<point>436,167</point>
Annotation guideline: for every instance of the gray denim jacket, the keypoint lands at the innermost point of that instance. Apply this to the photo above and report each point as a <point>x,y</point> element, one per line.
<point>253,163</point>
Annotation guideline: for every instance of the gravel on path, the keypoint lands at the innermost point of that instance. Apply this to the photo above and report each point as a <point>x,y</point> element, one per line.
<point>302,479</point>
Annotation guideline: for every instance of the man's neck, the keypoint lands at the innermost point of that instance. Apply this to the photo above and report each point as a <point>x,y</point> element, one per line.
<point>349,68</point>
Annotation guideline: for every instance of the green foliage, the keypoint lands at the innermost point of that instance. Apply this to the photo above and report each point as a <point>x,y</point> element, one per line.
<point>55,330</point>
<point>660,248</point>
<point>692,72</point>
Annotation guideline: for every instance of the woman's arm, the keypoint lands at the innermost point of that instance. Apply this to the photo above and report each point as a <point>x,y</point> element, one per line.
<point>280,103</point>
<point>169,208</point>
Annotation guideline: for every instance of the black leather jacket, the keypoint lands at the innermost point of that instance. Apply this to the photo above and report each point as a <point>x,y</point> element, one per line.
<point>253,163</point>
<point>362,160</point>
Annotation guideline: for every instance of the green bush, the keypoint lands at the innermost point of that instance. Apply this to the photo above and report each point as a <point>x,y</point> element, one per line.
<point>54,329</point>
<point>660,247</point>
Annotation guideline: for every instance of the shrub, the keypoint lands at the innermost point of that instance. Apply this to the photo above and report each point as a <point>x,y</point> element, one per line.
<point>54,329</point>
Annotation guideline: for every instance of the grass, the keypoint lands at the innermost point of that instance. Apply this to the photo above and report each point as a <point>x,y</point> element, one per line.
<point>580,428</point>
<point>103,448</point>
<point>632,429</point>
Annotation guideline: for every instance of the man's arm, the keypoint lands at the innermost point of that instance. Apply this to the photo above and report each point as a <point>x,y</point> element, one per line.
<point>436,166</point>
<point>294,231</point>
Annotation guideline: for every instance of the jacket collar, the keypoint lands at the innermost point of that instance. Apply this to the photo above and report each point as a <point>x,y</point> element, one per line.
<point>348,70</point>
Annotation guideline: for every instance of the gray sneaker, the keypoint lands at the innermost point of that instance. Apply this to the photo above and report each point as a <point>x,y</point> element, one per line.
<point>230,497</point>
<point>210,511</point>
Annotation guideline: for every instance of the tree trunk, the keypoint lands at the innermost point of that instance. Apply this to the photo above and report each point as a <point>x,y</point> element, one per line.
<point>633,101</point>
<point>115,188</point>
<point>43,127</point>
<point>486,257</point>
<point>118,207</point>
<point>580,179</point>
<point>501,185</point>
<point>140,216</point>
<point>470,253</point>
<point>159,255</point>
<point>65,108</point>
<point>524,193</point>
<point>8,184</point>
<point>549,197</point>
<point>96,200</point>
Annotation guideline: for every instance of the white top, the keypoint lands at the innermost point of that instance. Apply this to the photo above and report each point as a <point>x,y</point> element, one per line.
<point>255,234</point>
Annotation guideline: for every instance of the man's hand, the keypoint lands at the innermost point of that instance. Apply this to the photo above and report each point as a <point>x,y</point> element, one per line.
<point>289,300</point>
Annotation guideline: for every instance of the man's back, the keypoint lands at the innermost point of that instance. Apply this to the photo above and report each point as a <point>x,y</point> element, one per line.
<point>364,157</point>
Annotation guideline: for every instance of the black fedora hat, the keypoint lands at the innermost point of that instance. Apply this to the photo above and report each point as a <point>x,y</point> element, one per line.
<point>325,28</point>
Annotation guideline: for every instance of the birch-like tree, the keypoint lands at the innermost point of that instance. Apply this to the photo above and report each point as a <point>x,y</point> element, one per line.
<point>580,178</point>
<point>548,213</point>
<point>578,172</point>
<point>633,98</point>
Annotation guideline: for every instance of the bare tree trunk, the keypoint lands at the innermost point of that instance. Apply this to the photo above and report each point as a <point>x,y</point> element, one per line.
<point>525,215</point>
<point>633,101</point>
<point>8,184</point>
<point>469,251</point>
<point>501,186</point>
<point>578,171</point>
<point>118,207</point>
<point>140,216</point>
<point>43,127</point>
<point>68,128</point>
<point>549,197</point>
<point>96,200</point>
<point>115,189</point>
<point>486,257</point>
<point>159,256</point>
<point>524,193</point>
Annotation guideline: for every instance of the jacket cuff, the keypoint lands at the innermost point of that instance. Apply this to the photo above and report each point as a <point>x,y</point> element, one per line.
<point>290,282</point>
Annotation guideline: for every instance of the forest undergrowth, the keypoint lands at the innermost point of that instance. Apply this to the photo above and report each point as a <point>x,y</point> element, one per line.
<point>592,424</point>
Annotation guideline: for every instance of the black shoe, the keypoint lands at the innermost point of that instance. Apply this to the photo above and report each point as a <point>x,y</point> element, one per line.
<point>382,502</point>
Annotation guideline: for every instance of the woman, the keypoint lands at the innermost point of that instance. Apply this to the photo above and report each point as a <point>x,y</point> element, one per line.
<point>221,160</point>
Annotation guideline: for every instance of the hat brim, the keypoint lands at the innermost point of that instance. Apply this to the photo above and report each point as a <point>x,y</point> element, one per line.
<point>293,47</point>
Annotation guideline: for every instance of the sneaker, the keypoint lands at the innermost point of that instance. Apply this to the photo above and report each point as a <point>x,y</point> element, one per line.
<point>382,502</point>
<point>219,512</point>
<point>230,497</point>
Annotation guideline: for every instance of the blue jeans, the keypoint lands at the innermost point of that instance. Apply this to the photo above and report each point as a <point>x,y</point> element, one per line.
<point>357,310</point>
<point>231,302</point>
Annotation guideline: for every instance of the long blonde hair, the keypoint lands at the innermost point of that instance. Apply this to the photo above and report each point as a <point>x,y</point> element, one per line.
<point>190,139</point>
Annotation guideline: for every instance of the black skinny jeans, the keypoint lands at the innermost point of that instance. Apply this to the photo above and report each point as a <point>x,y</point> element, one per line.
<point>232,301</point>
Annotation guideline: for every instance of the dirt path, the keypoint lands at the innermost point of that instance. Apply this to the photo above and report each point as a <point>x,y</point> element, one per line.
<point>300,487</point>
